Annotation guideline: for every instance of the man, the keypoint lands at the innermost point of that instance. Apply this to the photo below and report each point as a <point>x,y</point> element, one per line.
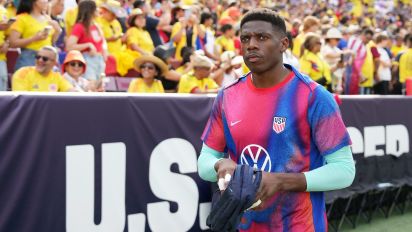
<point>198,81</point>
<point>277,120</point>
<point>361,74</point>
<point>41,77</point>
<point>225,42</point>
<point>57,7</point>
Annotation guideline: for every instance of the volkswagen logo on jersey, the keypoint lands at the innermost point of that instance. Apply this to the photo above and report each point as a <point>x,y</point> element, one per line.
<point>279,124</point>
<point>257,157</point>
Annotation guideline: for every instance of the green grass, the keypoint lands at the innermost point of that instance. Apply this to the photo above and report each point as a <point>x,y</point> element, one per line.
<point>395,222</point>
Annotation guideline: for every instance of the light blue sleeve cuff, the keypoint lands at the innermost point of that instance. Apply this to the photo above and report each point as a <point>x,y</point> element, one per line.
<point>206,163</point>
<point>337,173</point>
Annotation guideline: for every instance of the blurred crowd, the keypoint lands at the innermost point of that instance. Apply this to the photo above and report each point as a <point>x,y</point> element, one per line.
<point>193,46</point>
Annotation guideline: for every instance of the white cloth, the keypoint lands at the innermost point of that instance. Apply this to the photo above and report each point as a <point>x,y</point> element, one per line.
<point>80,85</point>
<point>384,73</point>
<point>290,59</point>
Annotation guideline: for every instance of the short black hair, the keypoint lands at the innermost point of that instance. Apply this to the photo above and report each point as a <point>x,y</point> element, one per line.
<point>367,31</point>
<point>267,15</point>
<point>226,27</point>
<point>138,4</point>
<point>205,16</point>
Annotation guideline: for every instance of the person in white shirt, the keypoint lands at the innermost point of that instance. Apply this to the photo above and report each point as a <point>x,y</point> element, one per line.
<point>288,57</point>
<point>335,58</point>
<point>384,70</point>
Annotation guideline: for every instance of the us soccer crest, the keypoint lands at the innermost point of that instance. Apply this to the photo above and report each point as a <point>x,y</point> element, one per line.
<point>279,124</point>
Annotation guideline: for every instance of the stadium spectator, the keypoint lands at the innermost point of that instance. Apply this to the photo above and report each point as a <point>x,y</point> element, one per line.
<point>226,42</point>
<point>288,57</point>
<point>73,68</point>
<point>310,24</point>
<point>335,58</point>
<point>184,30</point>
<point>157,27</point>
<point>312,63</point>
<point>151,69</point>
<point>113,34</point>
<point>70,18</point>
<point>360,72</point>
<point>87,38</point>
<point>56,9</point>
<point>231,64</point>
<point>405,67</point>
<point>170,79</point>
<point>398,46</point>
<point>41,77</point>
<point>199,81</point>
<point>32,30</point>
<point>384,75</point>
<point>206,36</point>
<point>138,40</point>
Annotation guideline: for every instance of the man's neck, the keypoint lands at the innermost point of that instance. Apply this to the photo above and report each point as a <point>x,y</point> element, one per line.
<point>270,78</point>
<point>44,74</point>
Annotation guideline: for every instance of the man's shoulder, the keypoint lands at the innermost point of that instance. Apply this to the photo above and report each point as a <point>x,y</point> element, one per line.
<point>303,78</point>
<point>25,72</point>
<point>236,83</point>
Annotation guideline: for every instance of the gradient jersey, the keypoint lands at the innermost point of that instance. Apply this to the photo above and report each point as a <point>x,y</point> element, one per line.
<point>288,128</point>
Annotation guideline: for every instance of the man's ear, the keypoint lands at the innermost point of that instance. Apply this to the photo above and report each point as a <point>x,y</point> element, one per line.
<point>284,44</point>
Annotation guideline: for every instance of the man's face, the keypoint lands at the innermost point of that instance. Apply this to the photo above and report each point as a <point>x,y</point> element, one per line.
<point>45,60</point>
<point>201,72</point>
<point>366,38</point>
<point>57,6</point>
<point>262,45</point>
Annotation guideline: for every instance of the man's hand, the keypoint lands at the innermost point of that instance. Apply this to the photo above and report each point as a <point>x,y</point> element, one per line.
<point>279,182</point>
<point>225,169</point>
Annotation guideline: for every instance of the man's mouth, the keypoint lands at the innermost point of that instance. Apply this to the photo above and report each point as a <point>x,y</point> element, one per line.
<point>253,58</point>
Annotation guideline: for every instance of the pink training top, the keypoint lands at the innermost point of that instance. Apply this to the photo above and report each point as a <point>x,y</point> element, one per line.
<point>288,128</point>
<point>94,36</point>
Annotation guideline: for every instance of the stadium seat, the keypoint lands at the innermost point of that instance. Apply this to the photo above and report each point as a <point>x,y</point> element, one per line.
<point>123,83</point>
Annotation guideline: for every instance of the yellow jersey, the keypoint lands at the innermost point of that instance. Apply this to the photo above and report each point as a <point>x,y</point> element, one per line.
<point>3,18</point>
<point>70,19</point>
<point>368,68</point>
<point>314,66</point>
<point>182,42</point>
<point>139,86</point>
<point>111,29</point>
<point>28,26</point>
<point>189,82</point>
<point>297,44</point>
<point>28,79</point>
<point>140,37</point>
<point>225,44</point>
<point>405,66</point>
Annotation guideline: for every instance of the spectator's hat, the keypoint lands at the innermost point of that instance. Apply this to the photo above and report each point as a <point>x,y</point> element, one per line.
<point>135,12</point>
<point>153,59</point>
<point>353,28</point>
<point>201,61</point>
<point>333,33</point>
<point>234,12</point>
<point>230,55</point>
<point>115,8</point>
<point>74,55</point>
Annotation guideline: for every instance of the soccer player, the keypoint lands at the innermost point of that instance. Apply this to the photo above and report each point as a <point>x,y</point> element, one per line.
<point>280,121</point>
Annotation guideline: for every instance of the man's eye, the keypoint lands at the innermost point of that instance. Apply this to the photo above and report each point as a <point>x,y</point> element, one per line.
<point>262,37</point>
<point>244,39</point>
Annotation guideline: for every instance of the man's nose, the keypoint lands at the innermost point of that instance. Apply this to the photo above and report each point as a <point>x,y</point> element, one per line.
<point>253,44</point>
